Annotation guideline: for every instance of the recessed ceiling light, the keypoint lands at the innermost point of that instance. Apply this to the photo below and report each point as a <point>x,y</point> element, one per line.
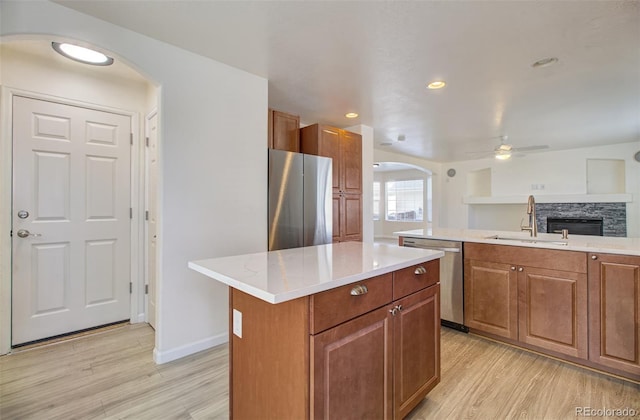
<point>437,84</point>
<point>82,54</point>
<point>351,115</point>
<point>545,62</point>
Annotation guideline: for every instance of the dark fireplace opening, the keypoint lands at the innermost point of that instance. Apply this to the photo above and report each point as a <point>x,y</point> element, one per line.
<point>576,225</point>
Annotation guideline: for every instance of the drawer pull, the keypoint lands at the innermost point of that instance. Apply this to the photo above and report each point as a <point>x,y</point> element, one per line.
<point>360,289</point>
<point>420,270</point>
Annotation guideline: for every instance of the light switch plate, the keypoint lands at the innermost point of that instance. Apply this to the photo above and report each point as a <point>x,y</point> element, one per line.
<point>237,323</point>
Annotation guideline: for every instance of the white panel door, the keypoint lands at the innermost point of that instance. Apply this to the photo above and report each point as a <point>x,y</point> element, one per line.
<point>152,201</point>
<point>71,225</point>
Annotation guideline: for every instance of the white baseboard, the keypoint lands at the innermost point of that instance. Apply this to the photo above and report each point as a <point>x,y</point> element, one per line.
<point>166,356</point>
<point>141,318</point>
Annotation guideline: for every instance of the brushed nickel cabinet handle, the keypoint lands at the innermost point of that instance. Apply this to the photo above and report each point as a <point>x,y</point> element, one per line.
<point>420,270</point>
<point>513,268</point>
<point>395,310</point>
<point>594,257</point>
<point>520,269</point>
<point>358,290</point>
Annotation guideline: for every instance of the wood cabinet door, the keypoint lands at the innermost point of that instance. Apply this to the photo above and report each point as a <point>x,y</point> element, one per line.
<point>338,221</point>
<point>284,131</point>
<point>352,369</point>
<point>491,298</point>
<point>416,341</point>
<point>329,146</point>
<point>614,312</point>
<point>351,162</point>
<point>351,210</point>
<point>552,309</point>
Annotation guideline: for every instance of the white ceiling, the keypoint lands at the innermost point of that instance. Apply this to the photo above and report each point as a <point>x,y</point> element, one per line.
<point>326,58</point>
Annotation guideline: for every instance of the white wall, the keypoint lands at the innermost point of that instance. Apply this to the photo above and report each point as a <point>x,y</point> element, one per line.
<point>561,173</point>
<point>213,125</point>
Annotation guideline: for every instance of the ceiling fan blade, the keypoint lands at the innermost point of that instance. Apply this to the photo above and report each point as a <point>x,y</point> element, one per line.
<point>530,148</point>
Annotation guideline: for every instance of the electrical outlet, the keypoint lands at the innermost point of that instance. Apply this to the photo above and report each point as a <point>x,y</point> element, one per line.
<point>237,323</point>
<point>537,187</point>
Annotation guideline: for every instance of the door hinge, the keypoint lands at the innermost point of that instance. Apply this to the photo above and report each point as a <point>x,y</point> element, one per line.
<point>130,212</point>
<point>130,287</point>
<point>146,141</point>
<point>146,289</point>
<point>146,215</point>
<point>131,138</point>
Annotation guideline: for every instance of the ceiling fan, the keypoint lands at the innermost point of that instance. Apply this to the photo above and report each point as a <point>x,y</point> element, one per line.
<point>504,150</point>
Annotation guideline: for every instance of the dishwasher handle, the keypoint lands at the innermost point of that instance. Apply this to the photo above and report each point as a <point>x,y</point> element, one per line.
<point>435,248</point>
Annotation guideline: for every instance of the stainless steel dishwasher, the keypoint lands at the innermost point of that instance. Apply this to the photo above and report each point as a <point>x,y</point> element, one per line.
<point>451,279</point>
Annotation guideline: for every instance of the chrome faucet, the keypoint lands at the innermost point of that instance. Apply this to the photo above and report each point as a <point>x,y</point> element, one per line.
<point>531,211</point>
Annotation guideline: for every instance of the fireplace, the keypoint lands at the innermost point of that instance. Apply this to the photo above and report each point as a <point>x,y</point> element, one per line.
<point>613,216</point>
<point>575,225</point>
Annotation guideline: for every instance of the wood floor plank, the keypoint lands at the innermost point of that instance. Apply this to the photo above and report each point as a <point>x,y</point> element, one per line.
<point>112,375</point>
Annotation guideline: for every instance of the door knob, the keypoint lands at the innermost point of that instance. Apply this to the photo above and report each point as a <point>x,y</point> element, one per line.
<point>23,233</point>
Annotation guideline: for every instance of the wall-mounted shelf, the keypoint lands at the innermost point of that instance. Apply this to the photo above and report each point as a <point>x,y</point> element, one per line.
<point>551,198</point>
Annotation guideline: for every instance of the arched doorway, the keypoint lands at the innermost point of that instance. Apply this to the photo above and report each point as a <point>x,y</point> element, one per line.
<point>34,73</point>
<point>402,198</point>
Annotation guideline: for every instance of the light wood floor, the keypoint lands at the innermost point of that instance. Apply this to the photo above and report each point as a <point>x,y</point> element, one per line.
<point>112,375</point>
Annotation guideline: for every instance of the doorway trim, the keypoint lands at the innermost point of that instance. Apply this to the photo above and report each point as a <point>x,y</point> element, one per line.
<point>137,310</point>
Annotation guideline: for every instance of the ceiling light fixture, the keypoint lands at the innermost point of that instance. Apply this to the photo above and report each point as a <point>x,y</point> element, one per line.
<point>351,115</point>
<point>82,54</point>
<point>376,165</point>
<point>503,154</point>
<point>437,84</point>
<point>545,62</point>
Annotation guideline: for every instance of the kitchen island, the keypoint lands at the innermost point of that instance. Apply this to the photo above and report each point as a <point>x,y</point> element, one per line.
<point>337,331</point>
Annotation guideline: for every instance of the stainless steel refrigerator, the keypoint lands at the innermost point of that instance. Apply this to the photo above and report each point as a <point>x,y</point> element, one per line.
<point>300,200</point>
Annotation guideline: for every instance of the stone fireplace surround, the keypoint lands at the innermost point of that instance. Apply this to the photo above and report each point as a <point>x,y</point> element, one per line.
<point>614,215</point>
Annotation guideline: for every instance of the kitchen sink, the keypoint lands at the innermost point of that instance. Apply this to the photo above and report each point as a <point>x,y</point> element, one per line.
<point>527,240</point>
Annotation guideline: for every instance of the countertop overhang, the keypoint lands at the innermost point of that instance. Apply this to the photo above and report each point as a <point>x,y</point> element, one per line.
<point>279,276</point>
<point>585,243</point>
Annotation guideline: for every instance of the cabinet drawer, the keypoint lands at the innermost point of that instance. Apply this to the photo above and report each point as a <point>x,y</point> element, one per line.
<point>338,305</point>
<point>414,278</point>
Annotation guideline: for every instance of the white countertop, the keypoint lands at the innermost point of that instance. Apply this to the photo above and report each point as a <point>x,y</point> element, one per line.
<point>604,244</point>
<point>279,276</point>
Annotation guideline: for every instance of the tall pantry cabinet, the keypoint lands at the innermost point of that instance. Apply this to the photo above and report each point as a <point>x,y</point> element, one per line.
<point>345,148</point>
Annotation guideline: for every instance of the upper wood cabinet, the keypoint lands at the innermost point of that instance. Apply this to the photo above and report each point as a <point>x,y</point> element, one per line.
<point>284,131</point>
<point>614,312</point>
<point>344,147</point>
